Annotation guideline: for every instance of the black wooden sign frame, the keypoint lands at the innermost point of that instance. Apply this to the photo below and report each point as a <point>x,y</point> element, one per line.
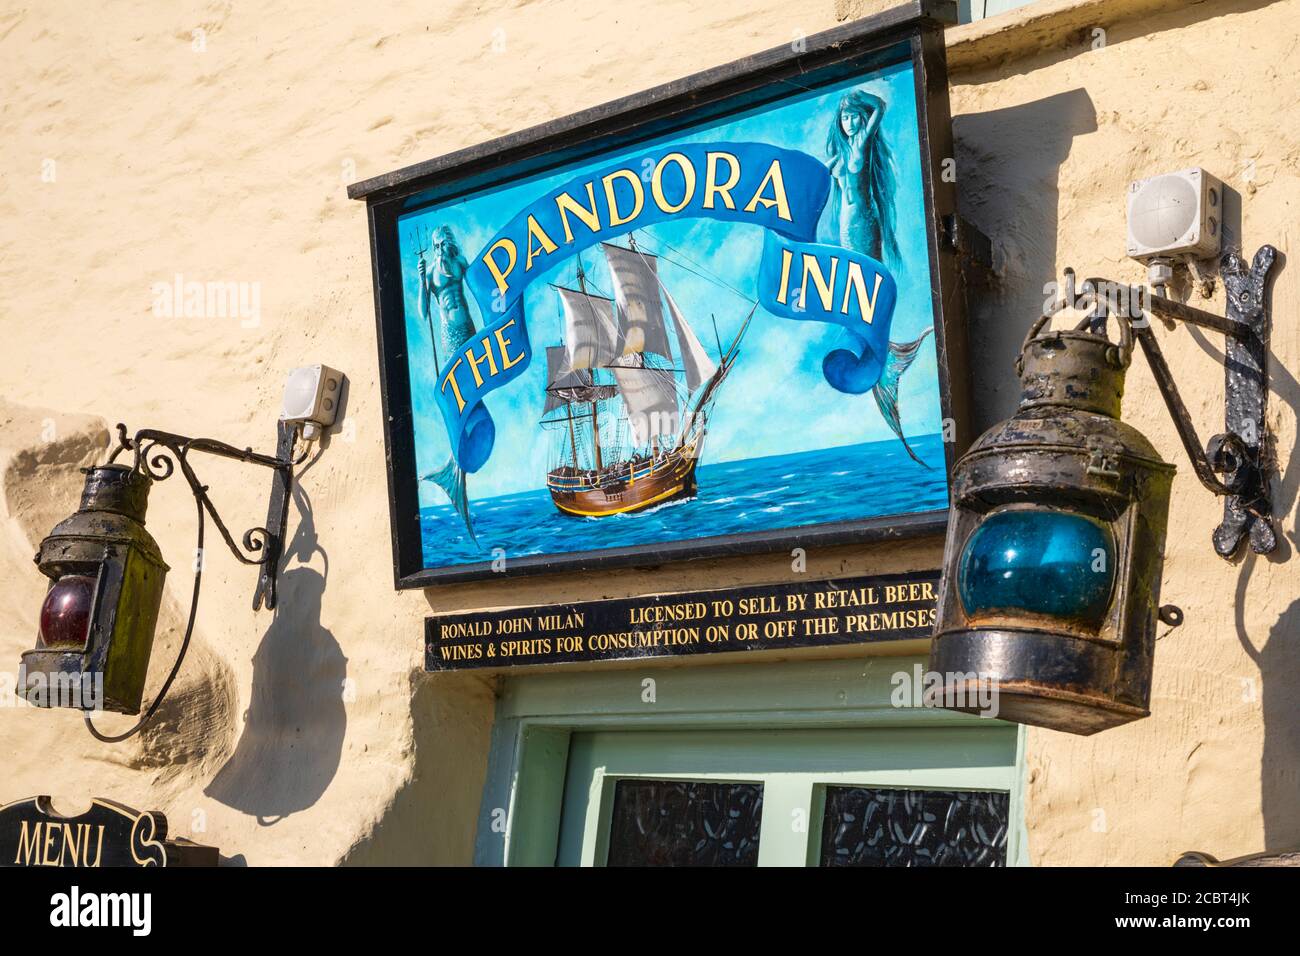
<point>820,59</point>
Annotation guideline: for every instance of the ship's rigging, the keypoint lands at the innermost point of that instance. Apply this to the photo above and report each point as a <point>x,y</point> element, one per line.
<point>629,389</point>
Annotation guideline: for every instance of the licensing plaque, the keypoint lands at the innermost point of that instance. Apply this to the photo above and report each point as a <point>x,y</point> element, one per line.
<point>863,610</point>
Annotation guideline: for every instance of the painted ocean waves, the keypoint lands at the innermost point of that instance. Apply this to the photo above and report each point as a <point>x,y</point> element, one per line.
<point>757,494</point>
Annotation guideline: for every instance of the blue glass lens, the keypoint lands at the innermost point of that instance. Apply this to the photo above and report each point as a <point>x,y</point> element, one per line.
<point>1043,562</point>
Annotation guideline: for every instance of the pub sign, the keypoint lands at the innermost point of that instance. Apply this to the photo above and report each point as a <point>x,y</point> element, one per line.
<point>708,319</point>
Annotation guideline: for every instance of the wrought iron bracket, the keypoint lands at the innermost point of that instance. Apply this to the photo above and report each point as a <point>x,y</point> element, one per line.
<point>1234,464</point>
<point>157,454</point>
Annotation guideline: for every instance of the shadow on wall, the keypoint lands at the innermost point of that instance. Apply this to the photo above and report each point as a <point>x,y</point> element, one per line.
<point>431,820</point>
<point>1278,657</point>
<point>294,726</point>
<point>1278,660</point>
<point>1009,163</point>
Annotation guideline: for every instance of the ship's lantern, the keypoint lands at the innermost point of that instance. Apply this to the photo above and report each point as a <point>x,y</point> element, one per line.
<point>1051,589</point>
<point>1055,546</point>
<point>106,583</point>
<point>106,572</point>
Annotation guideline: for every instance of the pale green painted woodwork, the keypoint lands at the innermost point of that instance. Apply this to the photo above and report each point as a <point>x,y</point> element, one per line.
<point>542,750</point>
<point>553,729</point>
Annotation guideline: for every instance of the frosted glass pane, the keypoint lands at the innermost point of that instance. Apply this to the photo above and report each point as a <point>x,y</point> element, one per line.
<point>866,826</point>
<point>684,823</point>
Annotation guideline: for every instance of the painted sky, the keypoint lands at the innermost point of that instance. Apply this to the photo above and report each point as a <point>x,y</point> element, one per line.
<point>776,400</point>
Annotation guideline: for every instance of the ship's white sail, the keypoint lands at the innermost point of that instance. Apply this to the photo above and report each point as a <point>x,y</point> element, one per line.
<point>636,292</point>
<point>618,335</point>
<point>591,336</point>
<point>563,384</point>
<point>695,361</point>
<point>650,396</point>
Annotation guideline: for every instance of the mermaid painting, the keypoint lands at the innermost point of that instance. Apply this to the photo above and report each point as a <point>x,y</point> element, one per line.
<point>862,170</point>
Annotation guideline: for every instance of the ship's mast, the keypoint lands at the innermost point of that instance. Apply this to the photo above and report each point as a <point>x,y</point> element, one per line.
<point>595,423</point>
<point>595,436</point>
<point>573,439</point>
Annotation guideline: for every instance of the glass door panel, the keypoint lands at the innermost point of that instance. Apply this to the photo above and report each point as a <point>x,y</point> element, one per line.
<point>684,823</point>
<point>865,826</point>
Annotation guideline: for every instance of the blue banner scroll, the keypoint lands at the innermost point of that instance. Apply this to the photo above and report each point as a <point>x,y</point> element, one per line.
<point>782,190</point>
<point>819,283</point>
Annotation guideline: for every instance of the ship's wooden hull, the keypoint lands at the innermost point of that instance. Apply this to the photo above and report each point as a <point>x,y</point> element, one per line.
<point>632,488</point>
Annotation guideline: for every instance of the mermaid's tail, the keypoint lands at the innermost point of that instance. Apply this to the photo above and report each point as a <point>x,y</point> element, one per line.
<point>901,356</point>
<point>451,479</point>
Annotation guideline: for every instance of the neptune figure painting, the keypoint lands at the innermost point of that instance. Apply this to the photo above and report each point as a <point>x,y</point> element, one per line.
<point>672,341</point>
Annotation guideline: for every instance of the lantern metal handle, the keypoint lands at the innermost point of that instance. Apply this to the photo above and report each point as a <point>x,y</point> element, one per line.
<point>1119,356</point>
<point>180,655</point>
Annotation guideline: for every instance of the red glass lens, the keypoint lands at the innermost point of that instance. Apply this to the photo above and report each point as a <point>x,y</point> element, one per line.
<point>65,615</point>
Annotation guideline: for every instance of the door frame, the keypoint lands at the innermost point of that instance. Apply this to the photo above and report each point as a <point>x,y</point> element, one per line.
<point>536,715</point>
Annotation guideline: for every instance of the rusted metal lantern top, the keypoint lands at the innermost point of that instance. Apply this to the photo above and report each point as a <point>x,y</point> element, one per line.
<point>1055,546</point>
<point>114,500</point>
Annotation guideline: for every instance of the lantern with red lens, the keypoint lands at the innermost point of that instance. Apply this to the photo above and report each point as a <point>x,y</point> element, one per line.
<point>106,581</point>
<point>106,572</point>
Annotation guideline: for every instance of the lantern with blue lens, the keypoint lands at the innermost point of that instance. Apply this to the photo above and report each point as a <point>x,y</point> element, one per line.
<point>1051,586</point>
<point>1038,562</point>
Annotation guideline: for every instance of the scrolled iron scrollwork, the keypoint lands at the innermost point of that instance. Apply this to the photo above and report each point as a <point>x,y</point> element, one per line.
<point>256,539</point>
<point>158,455</point>
<point>1236,463</point>
<point>157,466</point>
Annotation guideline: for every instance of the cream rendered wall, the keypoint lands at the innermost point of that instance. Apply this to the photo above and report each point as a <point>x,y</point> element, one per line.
<point>215,141</point>
<point>1047,144</point>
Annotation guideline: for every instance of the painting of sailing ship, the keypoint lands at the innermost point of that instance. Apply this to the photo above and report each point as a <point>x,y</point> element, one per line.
<point>663,401</point>
<point>649,454</point>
